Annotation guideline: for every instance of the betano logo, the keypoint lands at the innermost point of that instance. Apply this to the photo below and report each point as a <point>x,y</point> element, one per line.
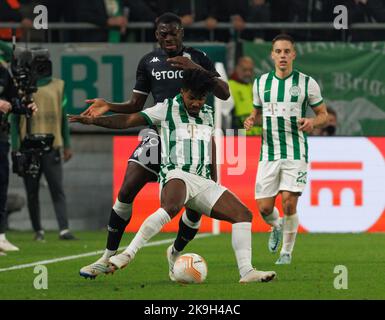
<point>346,183</point>
<point>336,186</point>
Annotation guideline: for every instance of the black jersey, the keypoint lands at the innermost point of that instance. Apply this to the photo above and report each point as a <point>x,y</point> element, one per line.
<point>156,75</point>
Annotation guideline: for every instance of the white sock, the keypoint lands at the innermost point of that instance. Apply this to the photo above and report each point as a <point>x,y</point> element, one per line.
<point>108,254</point>
<point>241,241</point>
<point>2,236</point>
<point>290,228</point>
<point>273,218</point>
<point>149,228</point>
<point>123,210</point>
<point>174,251</point>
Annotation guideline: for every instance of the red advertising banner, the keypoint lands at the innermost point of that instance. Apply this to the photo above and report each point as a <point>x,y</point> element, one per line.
<point>345,189</point>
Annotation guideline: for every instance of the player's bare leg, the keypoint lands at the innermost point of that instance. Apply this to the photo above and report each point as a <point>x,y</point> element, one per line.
<point>270,214</point>
<point>231,209</point>
<point>189,225</point>
<point>290,225</point>
<point>172,200</point>
<point>136,177</point>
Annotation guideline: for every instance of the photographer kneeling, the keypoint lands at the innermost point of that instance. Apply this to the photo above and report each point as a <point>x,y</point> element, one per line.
<point>7,94</point>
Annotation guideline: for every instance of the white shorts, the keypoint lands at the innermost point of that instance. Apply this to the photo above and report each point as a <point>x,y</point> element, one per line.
<point>201,193</point>
<point>280,175</point>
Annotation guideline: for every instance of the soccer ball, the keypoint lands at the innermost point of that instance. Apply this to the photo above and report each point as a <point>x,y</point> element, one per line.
<point>190,268</point>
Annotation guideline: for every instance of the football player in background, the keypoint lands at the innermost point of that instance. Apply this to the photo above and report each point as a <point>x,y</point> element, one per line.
<point>280,99</point>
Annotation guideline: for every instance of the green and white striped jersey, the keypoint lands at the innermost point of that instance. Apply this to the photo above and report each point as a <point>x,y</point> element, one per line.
<point>186,140</point>
<point>283,103</point>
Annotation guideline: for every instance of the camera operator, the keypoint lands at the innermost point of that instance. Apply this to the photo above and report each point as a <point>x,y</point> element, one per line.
<point>52,120</point>
<point>7,93</point>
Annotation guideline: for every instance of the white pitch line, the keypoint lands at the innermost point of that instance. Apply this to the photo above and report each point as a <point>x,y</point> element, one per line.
<point>88,254</point>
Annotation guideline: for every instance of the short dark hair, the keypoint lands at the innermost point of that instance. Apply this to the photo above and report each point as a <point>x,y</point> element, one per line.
<point>200,82</point>
<point>168,17</point>
<point>283,36</point>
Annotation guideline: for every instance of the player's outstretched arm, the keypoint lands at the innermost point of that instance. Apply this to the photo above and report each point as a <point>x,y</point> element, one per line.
<point>120,121</point>
<point>100,106</point>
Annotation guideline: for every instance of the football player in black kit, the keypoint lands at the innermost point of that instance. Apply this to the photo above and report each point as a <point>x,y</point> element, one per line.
<point>158,72</point>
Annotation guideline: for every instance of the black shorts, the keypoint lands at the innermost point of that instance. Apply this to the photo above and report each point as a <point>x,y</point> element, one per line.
<point>148,153</point>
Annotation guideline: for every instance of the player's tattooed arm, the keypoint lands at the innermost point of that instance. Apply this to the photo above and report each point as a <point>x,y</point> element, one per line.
<point>221,89</point>
<point>183,63</point>
<point>99,106</point>
<point>120,121</point>
<point>319,121</point>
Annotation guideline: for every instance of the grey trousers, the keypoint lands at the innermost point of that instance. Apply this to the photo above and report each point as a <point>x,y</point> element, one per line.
<point>51,167</point>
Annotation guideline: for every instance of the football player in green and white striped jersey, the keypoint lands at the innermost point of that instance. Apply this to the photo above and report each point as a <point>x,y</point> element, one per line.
<point>280,99</point>
<point>186,130</point>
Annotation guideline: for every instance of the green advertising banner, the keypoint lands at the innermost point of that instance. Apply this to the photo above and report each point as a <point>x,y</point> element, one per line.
<point>351,77</point>
<point>105,70</point>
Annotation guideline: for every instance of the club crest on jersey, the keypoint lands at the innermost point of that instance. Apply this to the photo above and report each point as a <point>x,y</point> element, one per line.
<point>295,91</point>
<point>155,59</point>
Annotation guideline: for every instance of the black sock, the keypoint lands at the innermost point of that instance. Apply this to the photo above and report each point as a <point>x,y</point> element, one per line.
<point>185,235</point>
<point>116,227</point>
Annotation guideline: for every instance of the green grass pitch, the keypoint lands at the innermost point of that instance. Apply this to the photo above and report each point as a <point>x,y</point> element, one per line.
<point>310,276</point>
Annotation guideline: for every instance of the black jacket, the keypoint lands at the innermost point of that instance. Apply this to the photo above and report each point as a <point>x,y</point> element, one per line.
<point>7,92</point>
